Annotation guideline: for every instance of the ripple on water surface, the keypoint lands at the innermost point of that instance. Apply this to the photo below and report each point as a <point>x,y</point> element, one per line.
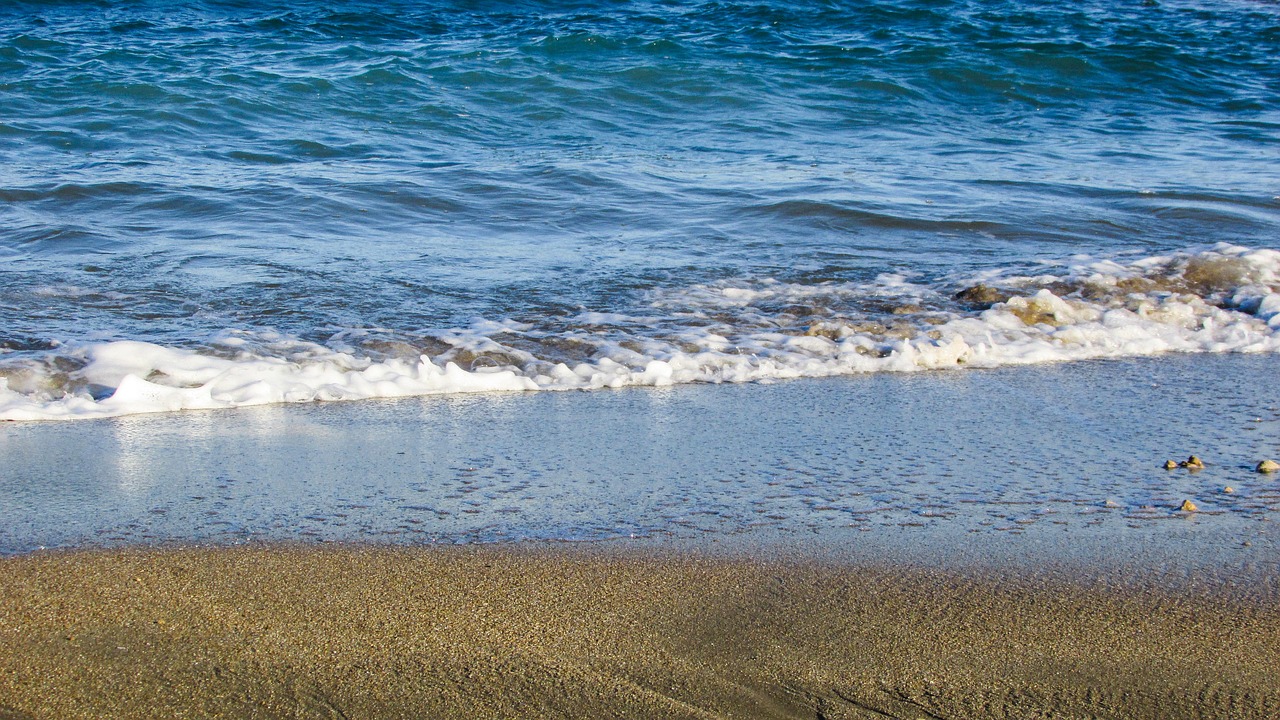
<point>1063,457</point>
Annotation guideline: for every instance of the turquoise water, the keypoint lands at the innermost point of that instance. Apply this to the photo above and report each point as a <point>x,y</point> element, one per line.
<point>520,185</point>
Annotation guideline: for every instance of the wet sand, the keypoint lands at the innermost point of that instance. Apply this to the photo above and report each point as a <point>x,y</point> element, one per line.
<point>603,631</point>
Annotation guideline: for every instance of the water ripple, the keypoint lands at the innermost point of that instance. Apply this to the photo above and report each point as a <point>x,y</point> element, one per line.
<point>510,159</point>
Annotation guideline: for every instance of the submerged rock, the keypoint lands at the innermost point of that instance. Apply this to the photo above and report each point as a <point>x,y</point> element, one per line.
<point>1170,464</point>
<point>1228,489</point>
<point>1192,463</point>
<point>1268,466</point>
<point>826,330</point>
<point>1205,275</point>
<point>981,296</point>
<point>1188,506</point>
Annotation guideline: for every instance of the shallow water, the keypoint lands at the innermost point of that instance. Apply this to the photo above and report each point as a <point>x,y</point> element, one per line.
<point>1045,463</point>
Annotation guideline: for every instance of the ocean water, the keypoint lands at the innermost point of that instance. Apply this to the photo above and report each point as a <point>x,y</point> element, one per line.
<point>217,204</point>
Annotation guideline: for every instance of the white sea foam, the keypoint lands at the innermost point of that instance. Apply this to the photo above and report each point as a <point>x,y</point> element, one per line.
<point>151,378</point>
<point>1221,299</point>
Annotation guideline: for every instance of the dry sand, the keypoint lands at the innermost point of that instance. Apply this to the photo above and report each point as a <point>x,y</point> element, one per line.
<point>369,632</point>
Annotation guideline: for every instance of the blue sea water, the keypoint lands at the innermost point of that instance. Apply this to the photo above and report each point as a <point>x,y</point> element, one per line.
<point>564,194</point>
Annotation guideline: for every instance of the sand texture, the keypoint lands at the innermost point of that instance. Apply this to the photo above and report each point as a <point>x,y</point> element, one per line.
<point>531,632</point>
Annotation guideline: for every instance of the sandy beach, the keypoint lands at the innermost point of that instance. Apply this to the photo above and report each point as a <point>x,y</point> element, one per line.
<point>599,631</point>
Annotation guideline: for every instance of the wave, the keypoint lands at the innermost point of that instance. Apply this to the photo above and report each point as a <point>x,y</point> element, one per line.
<point>1220,299</point>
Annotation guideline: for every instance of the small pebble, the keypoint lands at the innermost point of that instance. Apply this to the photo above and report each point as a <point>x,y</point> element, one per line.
<point>1188,506</point>
<point>1228,489</point>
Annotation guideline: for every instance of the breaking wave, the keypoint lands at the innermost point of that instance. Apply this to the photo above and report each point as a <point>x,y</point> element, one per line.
<point>1220,299</point>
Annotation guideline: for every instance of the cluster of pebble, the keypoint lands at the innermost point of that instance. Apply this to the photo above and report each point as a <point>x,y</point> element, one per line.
<point>1191,463</point>
<point>1195,463</point>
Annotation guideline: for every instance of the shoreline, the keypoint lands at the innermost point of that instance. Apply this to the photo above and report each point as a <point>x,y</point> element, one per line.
<point>541,630</point>
<point>1066,456</point>
<point>879,547</point>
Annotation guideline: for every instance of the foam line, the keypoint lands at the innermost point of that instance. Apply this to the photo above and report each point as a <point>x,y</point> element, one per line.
<point>1214,300</point>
